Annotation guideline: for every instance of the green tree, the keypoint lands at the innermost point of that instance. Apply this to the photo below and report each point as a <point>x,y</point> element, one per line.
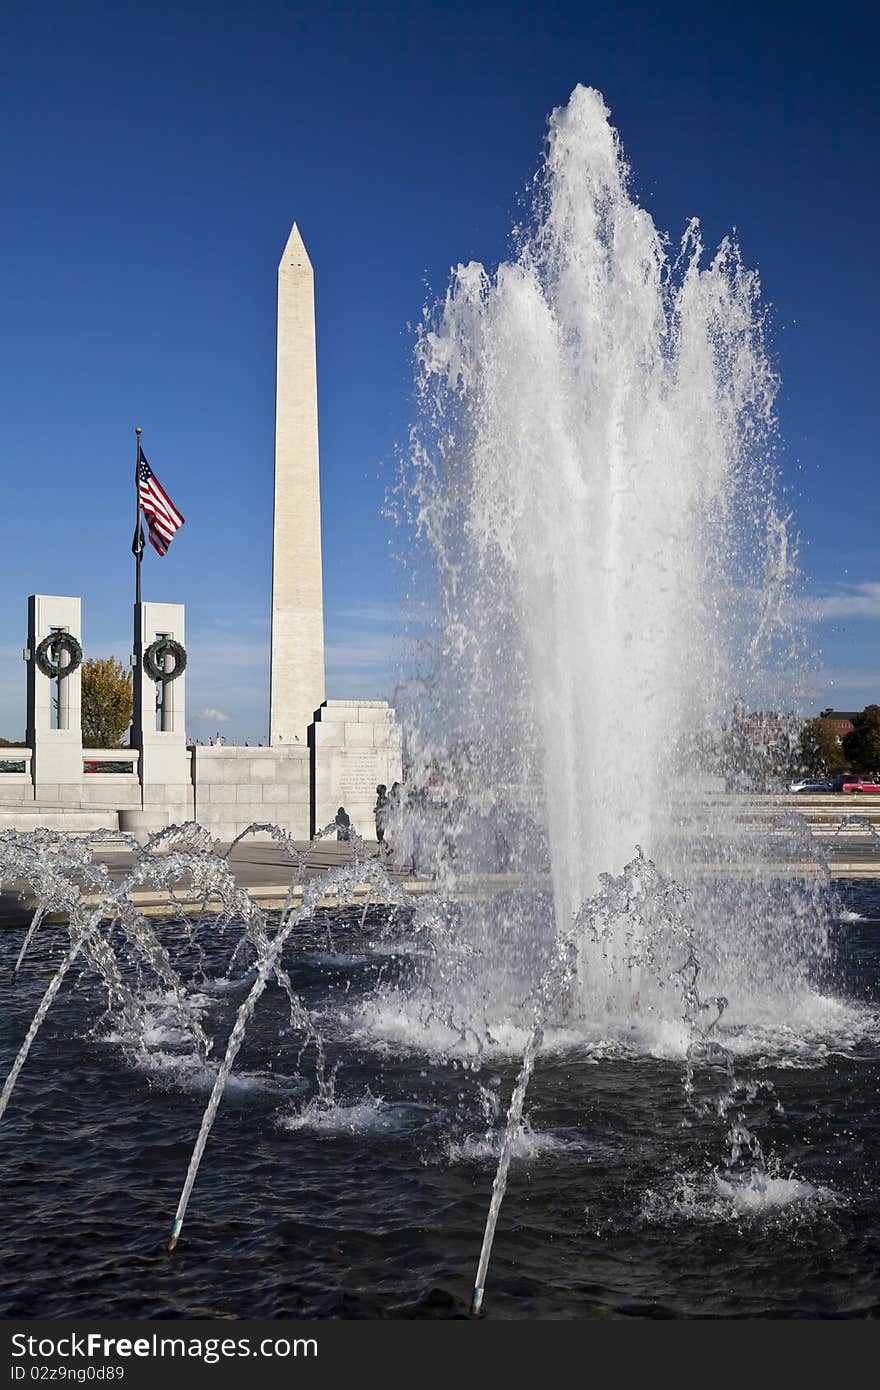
<point>862,744</point>
<point>820,753</point>
<point>106,702</point>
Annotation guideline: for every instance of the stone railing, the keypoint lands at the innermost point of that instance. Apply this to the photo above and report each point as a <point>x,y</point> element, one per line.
<point>111,761</point>
<point>16,761</point>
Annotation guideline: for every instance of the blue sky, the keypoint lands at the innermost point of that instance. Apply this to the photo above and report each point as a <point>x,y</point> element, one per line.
<point>153,159</point>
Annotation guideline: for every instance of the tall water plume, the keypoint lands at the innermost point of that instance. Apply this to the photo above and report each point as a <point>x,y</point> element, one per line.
<point>592,477</point>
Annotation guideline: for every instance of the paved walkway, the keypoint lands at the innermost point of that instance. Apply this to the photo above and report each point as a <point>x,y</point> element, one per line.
<point>266,869</point>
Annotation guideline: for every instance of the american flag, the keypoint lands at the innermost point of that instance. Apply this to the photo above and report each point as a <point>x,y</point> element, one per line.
<point>163,518</point>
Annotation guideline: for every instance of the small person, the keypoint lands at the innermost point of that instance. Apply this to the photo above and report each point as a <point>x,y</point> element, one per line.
<point>379,811</point>
<point>392,805</point>
<point>343,824</point>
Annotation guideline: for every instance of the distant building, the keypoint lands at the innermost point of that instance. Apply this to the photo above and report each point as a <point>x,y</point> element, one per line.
<point>842,719</point>
<point>765,727</point>
<point>755,748</point>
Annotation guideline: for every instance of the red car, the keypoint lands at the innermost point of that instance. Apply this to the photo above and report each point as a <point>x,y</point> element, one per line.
<point>856,782</point>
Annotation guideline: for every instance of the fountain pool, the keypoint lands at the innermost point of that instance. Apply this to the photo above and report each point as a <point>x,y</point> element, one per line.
<point>621,1200</point>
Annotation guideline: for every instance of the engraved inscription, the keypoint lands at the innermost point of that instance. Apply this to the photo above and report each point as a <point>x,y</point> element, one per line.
<point>359,775</point>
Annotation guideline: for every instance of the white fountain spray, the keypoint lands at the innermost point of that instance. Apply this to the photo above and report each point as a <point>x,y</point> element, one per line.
<point>592,479</point>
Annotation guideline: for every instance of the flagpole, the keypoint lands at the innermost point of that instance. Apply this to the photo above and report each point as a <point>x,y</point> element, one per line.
<point>136,736</point>
<point>137,518</point>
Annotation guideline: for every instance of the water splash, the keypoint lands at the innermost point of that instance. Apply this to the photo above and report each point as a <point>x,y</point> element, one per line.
<point>105,928</point>
<point>592,480</point>
<point>592,486</point>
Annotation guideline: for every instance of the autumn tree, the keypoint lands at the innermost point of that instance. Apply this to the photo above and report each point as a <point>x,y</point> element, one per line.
<point>820,754</point>
<point>106,702</point>
<point>862,744</point>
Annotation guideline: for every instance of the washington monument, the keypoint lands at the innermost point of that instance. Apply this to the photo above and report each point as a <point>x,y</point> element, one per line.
<point>297,671</point>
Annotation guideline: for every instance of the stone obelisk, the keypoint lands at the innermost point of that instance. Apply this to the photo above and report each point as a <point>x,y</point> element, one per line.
<point>297,672</point>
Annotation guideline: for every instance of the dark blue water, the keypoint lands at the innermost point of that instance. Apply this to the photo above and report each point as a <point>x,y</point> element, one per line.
<point>613,1209</point>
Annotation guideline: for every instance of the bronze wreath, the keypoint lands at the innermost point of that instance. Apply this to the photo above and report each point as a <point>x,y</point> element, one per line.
<point>154,659</point>
<point>48,655</point>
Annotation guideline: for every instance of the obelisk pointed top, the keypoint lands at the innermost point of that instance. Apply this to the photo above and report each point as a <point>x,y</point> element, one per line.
<point>295,253</point>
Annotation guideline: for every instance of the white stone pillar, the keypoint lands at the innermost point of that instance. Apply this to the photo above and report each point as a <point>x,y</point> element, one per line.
<point>297,669</point>
<point>56,765</point>
<point>166,784</point>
